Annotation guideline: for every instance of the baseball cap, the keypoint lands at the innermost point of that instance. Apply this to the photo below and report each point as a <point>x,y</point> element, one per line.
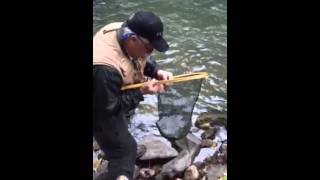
<point>149,26</point>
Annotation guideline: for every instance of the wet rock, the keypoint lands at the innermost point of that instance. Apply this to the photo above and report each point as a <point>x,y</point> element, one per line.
<point>190,143</point>
<point>221,135</point>
<point>204,153</point>
<point>210,133</point>
<point>207,143</point>
<point>203,126</point>
<point>209,152</point>
<point>146,173</point>
<point>210,170</point>
<point>210,119</point>
<point>191,173</point>
<point>156,148</point>
<point>224,151</point>
<point>221,121</point>
<point>175,166</point>
<point>221,156</point>
<point>191,147</point>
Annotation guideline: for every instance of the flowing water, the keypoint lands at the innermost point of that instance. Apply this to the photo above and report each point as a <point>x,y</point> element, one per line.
<point>196,31</point>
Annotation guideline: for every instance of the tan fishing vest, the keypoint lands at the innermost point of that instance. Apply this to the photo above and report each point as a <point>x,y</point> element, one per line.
<point>107,51</point>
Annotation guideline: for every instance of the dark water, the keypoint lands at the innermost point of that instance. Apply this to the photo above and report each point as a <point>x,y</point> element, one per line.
<point>196,31</point>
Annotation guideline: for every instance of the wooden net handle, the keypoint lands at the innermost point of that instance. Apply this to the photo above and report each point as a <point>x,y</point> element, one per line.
<point>174,79</point>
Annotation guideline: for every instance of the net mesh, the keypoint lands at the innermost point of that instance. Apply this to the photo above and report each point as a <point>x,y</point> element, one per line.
<point>175,106</point>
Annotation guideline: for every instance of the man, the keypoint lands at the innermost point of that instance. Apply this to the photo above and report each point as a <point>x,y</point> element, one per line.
<point>121,56</point>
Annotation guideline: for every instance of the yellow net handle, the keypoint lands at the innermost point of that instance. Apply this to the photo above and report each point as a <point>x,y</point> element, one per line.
<point>174,79</point>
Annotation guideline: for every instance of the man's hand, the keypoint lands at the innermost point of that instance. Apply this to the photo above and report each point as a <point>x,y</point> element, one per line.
<point>151,87</point>
<point>164,75</point>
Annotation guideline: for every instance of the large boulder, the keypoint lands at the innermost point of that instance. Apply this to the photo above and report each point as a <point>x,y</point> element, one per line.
<point>191,146</point>
<point>190,143</point>
<point>157,148</point>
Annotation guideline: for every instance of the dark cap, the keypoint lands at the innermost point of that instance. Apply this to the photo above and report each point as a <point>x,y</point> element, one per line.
<point>149,26</point>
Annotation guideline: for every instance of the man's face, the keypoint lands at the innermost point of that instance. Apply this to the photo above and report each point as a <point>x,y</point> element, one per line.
<point>139,46</point>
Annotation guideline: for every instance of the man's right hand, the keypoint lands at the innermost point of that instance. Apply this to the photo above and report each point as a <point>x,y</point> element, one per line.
<point>152,87</point>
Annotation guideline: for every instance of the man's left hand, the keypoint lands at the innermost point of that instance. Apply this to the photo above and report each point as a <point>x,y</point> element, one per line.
<point>164,75</point>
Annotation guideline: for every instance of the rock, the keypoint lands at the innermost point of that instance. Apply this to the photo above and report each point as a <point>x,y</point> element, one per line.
<point>223,148</point>
<point>216,171</point>
<point>96,146</point>
<point>191,147</point>
<point>175,166</point>
<point>224,177</point>
<point>198,164</point>
<point>201,167</point>
<point>136,172</point>
<point>141,150</point>
<point>156,148</point>
<point>210,119</point>
<point>221,121</point>
<point>101,154</point>
<point>157,168</point>
<point>203,126</point>
<point>204,153</point>
<point>146,173</point>
<point>122,178</point>
<point>191,173</point>
<point>208,153</point>
<point>96,164</point>
<point>95,156</point>
<point>190,142</point>
<point>102,171</point>
<point>206,143</point>
<point>221,135</point>
<point>220,157</point>
<point>210,133</point>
